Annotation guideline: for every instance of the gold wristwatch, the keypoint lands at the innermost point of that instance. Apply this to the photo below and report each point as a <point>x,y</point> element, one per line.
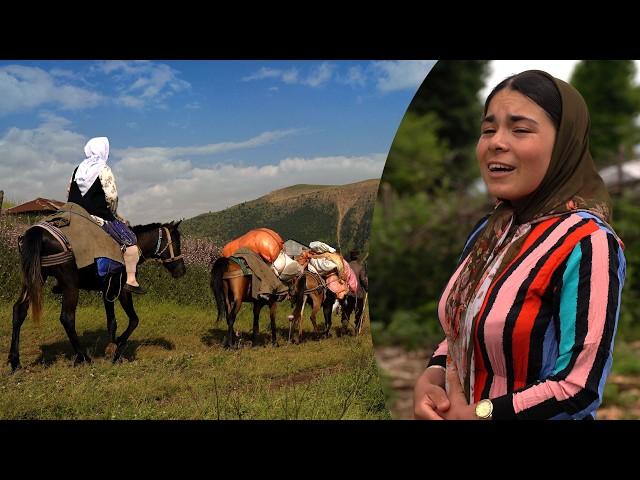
<point>484,409</point>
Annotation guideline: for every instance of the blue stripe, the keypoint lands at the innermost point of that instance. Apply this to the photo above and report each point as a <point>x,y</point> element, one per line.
<point>549,351</point>
<point>568,307</point>
<point>602,226</point>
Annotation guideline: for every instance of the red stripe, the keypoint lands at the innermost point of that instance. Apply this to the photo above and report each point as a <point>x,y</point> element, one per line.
<point>521,335</point>
<point>481,373</point>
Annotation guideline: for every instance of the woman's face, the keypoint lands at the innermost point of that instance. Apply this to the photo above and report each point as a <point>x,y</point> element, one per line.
<point>515,145</point>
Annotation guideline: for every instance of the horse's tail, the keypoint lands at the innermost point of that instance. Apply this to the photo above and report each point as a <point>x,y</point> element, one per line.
<point>217,286</point>
<point>31,269</point>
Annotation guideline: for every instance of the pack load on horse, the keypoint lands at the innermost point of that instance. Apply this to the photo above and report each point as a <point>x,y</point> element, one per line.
<point>326,276</point>
<point>332,267</point>
<point>72,248</point>
<point>245,273</point>
<point>286,268</point>
<point>356,301</point>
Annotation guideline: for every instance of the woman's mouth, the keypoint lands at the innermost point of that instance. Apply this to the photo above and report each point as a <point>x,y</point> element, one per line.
<point>499,169</point>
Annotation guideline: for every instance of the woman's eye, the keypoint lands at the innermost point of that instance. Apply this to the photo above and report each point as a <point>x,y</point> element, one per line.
<point>486,131</point>
<point>521,130</point>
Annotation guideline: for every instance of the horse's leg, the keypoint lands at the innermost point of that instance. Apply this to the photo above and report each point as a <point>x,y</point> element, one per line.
<point>231,319</point>
<point>19,314</point>
<point>70,294</point>
<point>126,301</point>
<point>347,310</point>
<point>327,310</point>
<point>317,303</point>
<point>236,289</point>
<point>297,320</point>
<point>257,306</point>
<point>272,315</point>
<point>112,326</point>
<point>359,311</point>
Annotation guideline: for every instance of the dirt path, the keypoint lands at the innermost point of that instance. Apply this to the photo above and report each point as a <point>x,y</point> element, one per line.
<point>403,368</point>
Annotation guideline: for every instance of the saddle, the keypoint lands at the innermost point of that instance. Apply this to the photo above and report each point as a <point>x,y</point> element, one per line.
<point>264,282</point>
<point>81,238</point>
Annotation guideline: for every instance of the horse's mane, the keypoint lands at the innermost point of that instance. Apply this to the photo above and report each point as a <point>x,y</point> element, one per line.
<point>146,228</point>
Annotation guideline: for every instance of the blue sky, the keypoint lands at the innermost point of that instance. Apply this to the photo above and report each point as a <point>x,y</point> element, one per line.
<point>189,137</point>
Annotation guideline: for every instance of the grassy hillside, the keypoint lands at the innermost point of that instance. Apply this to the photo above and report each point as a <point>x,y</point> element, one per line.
<point>338,215</point>
<point>175,366</point>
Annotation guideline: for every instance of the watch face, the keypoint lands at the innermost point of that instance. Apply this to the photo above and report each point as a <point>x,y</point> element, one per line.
<point>484,408</point>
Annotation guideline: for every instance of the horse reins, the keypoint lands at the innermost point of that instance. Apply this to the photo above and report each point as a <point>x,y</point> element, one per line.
<point>169,245</point>
<point>321,283</point>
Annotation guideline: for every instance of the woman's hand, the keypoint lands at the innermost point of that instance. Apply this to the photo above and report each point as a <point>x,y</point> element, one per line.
<point>430,400</point>
<point>460,408</point>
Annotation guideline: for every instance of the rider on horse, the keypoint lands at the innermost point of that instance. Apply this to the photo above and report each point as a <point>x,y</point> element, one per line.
<point>93,187</point>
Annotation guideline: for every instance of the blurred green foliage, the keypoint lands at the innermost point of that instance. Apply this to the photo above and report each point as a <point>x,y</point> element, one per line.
<point>608,87</point>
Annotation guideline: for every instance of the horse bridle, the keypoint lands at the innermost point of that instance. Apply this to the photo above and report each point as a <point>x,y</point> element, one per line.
<point>156,255</point>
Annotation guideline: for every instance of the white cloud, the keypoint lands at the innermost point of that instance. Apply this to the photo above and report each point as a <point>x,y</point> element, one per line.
<point>23,88</point>
<point>401,74</point>
<point>158,184</point>
<point>319,75</point>
<point>387,75</point>
<point>39,162</point>
<point>501,69</point>
<point>287,76</point>
<point>186,191</point>
<point>142,83</point>
<point>355,77</point>
<point>210,149</point>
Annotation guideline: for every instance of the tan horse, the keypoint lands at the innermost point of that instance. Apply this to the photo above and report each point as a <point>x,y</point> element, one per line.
<point>231,287</point>
<point>311,287</point>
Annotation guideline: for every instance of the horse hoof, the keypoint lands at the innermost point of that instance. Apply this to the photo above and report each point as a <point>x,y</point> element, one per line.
<point>110,351</point>
<point>81,358</point>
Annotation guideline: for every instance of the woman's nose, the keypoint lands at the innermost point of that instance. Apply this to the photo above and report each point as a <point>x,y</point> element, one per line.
<point>498,141</point>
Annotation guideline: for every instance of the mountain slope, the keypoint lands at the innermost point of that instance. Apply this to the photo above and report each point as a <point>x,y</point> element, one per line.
<point>339,215</point>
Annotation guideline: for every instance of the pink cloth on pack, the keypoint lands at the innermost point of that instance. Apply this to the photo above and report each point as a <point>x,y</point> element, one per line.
<point>352,280</point>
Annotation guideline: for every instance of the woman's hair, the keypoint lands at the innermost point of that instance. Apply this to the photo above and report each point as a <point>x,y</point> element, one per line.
<point>538,87</point>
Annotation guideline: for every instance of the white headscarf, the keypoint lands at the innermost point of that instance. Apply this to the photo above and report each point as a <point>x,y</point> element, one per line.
<point>97,152</point>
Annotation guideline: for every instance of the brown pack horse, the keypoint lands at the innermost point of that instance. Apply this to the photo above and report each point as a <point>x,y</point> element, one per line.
<point>156,241</point>
<point>311,288</point>
<point>230,289</point>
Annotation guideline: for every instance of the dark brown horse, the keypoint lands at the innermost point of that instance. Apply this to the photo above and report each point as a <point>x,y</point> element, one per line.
<point>156,241</point>
<point>311,288</point>
<point>231,287</point>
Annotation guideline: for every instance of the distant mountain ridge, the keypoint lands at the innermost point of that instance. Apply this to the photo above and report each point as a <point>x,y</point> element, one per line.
<point>339,215</point>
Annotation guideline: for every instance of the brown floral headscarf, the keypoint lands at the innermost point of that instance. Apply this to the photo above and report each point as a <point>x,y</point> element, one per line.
<point>570,183</point>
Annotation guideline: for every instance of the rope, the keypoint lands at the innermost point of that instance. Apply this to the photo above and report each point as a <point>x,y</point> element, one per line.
<point>109,286</point>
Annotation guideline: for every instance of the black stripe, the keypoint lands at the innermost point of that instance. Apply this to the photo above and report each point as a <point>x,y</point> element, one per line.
<point>552,407</point>
<point>604,348</point>
<point>491,300</point>
<point>543,411</point>
<point>582,306</point>
<point>438,360</point>
<point>503,408</point>
<point>579,401</point>
<point>540,325</point>
<point>512,316</point>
